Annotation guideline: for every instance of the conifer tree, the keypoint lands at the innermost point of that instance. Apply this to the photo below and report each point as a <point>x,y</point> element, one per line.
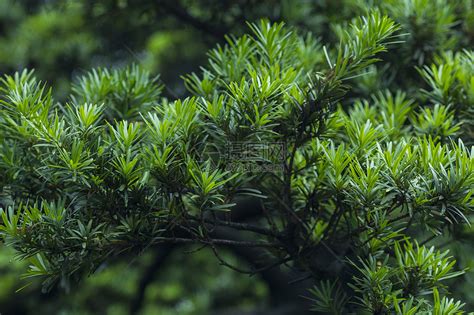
<point>348,192</point>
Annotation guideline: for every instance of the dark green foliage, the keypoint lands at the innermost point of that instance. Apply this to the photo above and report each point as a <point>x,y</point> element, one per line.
<point>125,93</point>
<point>365,178</point>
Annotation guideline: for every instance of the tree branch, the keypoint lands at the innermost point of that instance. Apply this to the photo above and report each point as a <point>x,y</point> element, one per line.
<point>226,242</point>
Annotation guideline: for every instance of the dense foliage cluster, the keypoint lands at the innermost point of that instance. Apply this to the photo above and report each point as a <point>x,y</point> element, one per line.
<point>352,168</point>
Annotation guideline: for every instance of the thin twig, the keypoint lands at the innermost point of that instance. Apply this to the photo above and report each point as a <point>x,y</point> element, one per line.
<point>182,240</point>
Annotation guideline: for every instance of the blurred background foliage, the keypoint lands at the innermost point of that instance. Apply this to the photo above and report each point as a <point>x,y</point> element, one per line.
<point>183,285</point>
<point>61,39</point>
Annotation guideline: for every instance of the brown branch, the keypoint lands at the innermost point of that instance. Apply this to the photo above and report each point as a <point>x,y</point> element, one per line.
<point>238,226</point>
<point>226,242</point>
<point>246,271</point>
